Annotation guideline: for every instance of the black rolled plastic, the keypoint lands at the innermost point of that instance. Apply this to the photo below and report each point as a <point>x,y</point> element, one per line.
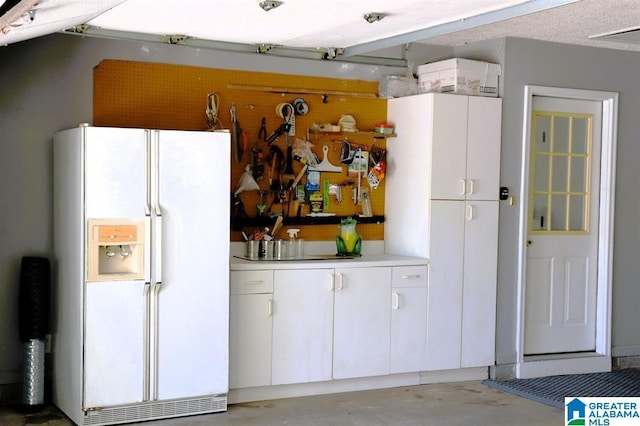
<point>33,304</point>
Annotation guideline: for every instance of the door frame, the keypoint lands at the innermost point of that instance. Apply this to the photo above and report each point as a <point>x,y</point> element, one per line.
<point>600,359</point>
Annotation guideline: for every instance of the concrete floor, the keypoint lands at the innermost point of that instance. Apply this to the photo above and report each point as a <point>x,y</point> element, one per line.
<point>447,404</point>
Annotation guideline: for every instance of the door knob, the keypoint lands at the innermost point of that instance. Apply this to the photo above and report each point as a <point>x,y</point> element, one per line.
<point>529,243</point>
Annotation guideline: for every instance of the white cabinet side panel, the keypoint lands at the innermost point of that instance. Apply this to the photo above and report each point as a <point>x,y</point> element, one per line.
<point>193,306</point>
<point>302,326</point>
<point>444,313</point>
<point>480,281</point>
<point>68,268</point>
<point>483,148</point>
<point>449,147</point>
<point>407,181</point>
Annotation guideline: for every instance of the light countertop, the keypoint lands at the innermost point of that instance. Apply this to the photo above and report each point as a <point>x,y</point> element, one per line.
<point>372,255</point>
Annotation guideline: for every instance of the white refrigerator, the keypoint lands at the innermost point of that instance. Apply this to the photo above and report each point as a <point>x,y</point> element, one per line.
<point>141,241</point>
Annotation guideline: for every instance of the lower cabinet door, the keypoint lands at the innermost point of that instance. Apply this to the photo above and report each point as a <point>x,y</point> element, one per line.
<point>250,329</point>
<point>446,263</point>
<point>362,322</point>
<point>302,326</point>
<point>408,329</point>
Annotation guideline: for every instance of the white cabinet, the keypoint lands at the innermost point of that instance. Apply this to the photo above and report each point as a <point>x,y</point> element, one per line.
<point>250,328</point>
<point>466,147</point>
<point>479,289</point>
<point>362,322</point>
<point>293,326</point>
<point>408,350</point>
<point>442,187</point>
<point>302,326</point>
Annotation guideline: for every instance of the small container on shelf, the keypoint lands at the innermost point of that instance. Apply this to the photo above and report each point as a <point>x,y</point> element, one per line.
<point>384,128</point>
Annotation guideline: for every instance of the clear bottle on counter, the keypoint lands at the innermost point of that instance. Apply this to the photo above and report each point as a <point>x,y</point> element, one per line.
<point>293,250</point>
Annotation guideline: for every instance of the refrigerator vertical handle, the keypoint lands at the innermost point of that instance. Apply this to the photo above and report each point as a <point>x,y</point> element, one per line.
<point>156,208</point>
<point>157,261</point>
<point>156,324</point>
<point>147,249</point>
<point>146,378</point>
<point>147,207</point>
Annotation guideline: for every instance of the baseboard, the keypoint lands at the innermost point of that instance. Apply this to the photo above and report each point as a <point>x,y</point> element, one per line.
<point>622,362</point>
<point>321,388</point>
<point>625,351</point>
<point>457,375</point>
<point>503,372</point>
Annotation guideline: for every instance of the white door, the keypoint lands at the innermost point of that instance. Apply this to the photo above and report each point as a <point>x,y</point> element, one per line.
<point>302,326</point>
<point>115,315</point>
<point>479,284</point>
<point>562,228</point>
<point>446,262</point>
<point>250,340</point>
<point>408,319</point>
<point>193,300</point>
<point>362,322</point>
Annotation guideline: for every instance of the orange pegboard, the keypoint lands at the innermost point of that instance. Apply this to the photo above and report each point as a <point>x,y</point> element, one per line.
<point>165,96</point>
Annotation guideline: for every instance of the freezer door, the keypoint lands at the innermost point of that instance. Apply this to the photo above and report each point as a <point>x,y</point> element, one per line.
<point>116,173</point>
<point>192,301</point>
<point>114,348</point>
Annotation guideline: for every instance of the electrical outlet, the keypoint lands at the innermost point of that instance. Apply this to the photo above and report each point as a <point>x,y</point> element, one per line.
<point>47,344</point>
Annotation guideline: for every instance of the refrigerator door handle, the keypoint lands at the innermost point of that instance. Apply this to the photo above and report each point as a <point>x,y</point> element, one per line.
<point>147,207</point>
<point>158,250</point>
<point>156,290</point>
<point>147,355</point>
<point>157,209</point>
<point>147,249</point>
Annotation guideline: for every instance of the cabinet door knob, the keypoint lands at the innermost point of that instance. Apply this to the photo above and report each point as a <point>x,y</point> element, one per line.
<point>529,243</point>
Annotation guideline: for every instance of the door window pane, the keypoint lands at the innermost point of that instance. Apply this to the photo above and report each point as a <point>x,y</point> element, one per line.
<point>560,173</point>
<point>539,213</point>
<point>579,135</point>
<point>543,133</point>
<point>561,134</point>
<point>541,173</point>
<point>558,212</point>
<point>577,213</point>
<point>578,175</point>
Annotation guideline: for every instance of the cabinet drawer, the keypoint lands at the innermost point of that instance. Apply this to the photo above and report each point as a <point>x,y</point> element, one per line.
<point>251,282</point>
<point>409,276</point>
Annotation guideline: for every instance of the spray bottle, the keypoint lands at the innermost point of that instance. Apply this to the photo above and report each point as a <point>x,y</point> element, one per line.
<point>294,245</point>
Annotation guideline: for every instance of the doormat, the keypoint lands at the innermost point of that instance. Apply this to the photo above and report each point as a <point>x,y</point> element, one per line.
<point>553,389</point>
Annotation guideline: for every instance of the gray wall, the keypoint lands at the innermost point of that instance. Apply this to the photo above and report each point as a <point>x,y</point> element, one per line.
<point>46,85</point>
<point>551,64</point>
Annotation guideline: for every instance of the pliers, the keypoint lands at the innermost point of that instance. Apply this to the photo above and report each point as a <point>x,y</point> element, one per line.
<point>262,134</point>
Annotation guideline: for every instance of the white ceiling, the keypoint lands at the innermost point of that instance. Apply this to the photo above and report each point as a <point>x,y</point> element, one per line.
<point>328,24</point>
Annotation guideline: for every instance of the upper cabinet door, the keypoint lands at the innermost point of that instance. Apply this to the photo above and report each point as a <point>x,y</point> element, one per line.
<point>466,147</point>
<point>483,148</point>
<point>449,147</point>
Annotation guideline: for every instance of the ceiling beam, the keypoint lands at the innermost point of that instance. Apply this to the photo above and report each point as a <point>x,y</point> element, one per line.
<point>269,50</point>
